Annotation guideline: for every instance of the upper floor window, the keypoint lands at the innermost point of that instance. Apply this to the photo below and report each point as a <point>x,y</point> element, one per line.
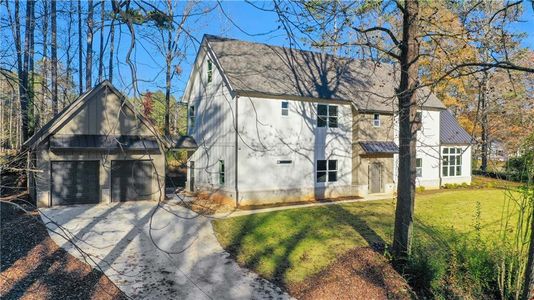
<point>326,115</point>
<point>452,161</point>
<point>210,71</point>
<point>191,117</point>
<point>327,170</point>
<point>285,108</point>
<point>419,167</point>
<point>419,119</point>
<point>376,120</point>
<point>221,172</point>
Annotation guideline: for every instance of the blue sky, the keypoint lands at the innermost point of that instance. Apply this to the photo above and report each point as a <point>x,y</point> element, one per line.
<point>250,24</point>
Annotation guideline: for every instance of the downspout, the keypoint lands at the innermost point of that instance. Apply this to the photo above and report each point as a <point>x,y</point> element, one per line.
<point>236,152</point>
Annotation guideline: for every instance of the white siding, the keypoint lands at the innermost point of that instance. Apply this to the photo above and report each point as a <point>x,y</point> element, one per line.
<point>428,149</point>
<point>428,139</point>
<point>213,129</point>
<point>266,136</point>
<point>466,167</point>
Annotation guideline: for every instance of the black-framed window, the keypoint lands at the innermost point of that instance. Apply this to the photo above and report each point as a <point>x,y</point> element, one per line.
<point>419,167</point>
<point>285,108</point>
<point>210,71</point>
<point>327,170</point>
<point>327,115</point>
<point>191,117</point>
<point>452,162</point>
<point>221,172</point>
<point>376,120</point>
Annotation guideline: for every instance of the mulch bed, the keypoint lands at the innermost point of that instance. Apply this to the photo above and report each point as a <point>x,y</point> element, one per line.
<point>362,273</point>
<point>32,266</point>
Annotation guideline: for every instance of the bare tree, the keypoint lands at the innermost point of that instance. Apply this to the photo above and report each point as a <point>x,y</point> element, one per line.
<point>44,78</point>
<point>89,51</point>
<point>101,52</point>
<point>80,51</point>
<point>54,58</point>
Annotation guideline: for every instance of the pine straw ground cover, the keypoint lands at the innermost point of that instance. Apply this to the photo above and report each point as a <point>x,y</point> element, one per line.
<point>319,252</point>
<point>34,267</point>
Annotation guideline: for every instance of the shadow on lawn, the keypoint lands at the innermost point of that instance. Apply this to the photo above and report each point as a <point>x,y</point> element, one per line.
<point>281,251</point>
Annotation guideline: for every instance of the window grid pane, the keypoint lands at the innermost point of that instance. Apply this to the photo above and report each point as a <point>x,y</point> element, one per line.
<point>452,162</point>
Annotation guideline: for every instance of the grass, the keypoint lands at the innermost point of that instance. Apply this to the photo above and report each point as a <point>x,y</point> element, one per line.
<point>290,246</point>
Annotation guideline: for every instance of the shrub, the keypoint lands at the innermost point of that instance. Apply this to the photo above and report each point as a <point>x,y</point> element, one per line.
<point>420,189</point>
<point>456,267</point>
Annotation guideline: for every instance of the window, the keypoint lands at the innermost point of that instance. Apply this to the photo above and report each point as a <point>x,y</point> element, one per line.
<point>419,167</point>
<point>191,117</point>
<point>221,172</point>
<point>285,108</point>
<point>284,162</point>
<point>327,170</point>
<point>210,71</point>
<point>376,120</point>
<point>326,115</point>
<point>418,117</point>
<point>452,162</point>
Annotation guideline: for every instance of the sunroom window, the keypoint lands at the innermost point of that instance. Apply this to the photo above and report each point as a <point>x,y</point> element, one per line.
<point>452,162</point>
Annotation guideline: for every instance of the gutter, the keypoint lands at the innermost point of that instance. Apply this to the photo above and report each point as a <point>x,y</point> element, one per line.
<point>236,152</point>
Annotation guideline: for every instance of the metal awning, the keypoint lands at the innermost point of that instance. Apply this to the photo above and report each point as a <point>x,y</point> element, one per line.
<point>184,142</point>
<point>375,147</point>
<point>103,142</point>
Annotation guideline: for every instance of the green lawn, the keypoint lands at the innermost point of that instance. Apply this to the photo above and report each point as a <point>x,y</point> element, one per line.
<point>291,245</point>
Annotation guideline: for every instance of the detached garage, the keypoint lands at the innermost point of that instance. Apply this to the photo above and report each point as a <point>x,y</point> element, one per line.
<point>98,149</point>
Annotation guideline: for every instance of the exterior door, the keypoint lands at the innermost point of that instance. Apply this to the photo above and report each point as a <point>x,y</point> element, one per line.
<point>74,182</point>
<point>131,180</point>
<point>191,176</point>
<point>375,178</point>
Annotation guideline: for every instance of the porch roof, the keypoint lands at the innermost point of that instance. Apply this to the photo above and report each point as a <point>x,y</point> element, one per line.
<point>379,147</point>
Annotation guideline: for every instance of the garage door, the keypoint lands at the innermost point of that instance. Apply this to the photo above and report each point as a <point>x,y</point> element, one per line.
<point>131,180</point>
<point>75,182</point>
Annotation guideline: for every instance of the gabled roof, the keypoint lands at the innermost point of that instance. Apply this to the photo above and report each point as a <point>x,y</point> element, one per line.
<point>74,107</point>
<point>451,132</point>
<point>261,70</point>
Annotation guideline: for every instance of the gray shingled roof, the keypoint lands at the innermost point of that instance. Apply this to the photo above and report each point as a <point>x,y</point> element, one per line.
<point>103,142</point>
<point>451,132</point>
<point>374,147</point>
<point>255,69</point>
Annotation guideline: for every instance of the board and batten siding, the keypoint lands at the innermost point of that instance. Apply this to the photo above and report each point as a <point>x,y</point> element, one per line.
<point>103,114</point>
<point>268,137</point>
<point>213,130</point>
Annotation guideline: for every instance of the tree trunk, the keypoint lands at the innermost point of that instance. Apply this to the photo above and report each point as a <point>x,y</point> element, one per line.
<point>111,49</point>
<point>101,52</point>
<point>80,47</point>
<point>23,77</point>
<point>69,57</point>
<point>168,75</point>
<point>409,47</point>
<point>44,79</point>
<point>89,51</point>
<point>484,123</point>
<point>54,58</point>
<point>528,289</point>
<point>31,74</point>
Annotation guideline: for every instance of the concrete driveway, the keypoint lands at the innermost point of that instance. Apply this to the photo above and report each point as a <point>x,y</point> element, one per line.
<point>164,253</point>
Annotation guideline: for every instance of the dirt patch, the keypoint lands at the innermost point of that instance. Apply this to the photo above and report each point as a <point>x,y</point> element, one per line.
<point>359,274</point>
<point>210,203</point>
<point>34,267</point>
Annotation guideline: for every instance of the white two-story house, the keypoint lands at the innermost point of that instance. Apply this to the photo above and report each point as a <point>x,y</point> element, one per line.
<point>275,124</point>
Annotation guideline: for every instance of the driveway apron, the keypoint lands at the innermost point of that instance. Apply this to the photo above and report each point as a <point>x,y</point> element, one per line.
<point>153,252</point>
